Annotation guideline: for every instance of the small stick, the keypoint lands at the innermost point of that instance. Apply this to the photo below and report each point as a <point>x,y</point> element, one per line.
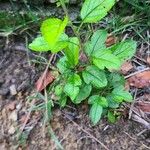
<point>87,132</point>
<point>134,73</point>
<point>32,103</point>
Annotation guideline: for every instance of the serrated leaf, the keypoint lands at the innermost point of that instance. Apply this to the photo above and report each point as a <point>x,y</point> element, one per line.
<point>72,51</point>
<point>116,80</point>
<point>98,99</point>
<point>120,94</point>
<point>63,66</point>
<point>39,44</point>
<point>124,50</point>
<point>71,91</point>
<point>95,10</point>
<point>93,99</point>
<point>72,86</point>
<point>105,58</point>
<point>52,29</point>
<point>85,91</point>
<point>97,42</point>
<point>95,113</point>
<point>92,75</point>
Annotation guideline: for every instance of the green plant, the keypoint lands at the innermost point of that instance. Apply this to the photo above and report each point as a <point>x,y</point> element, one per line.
<point>95,79</point>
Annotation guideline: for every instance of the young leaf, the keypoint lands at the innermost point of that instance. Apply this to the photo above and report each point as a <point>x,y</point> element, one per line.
<point>124,50</point>
<point>85,91</point>
<point>72,87</point>
<point>72,51</point>
<point>97,42</point>
<point>75,80</point>
<point>63,101</point>
<point>96,112</point>
<point>52,29</point>
<point>92,75</point>
<point>71,91</point>
<point>111,102</point>
<point>95,10</point>
<point>60,44</point>
<point>120,94</point>
<point>58,90</point>
<point>103,59</point>
<point>39,44</point>
<point>111,117</point>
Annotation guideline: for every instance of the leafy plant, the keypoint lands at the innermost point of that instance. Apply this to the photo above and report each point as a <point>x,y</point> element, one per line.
<point>97,79</point>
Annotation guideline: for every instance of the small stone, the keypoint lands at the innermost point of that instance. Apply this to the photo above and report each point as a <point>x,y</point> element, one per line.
<point>13,90</point>
<point>13,116</point>
<point>11,130</point>
<point>11,106</point>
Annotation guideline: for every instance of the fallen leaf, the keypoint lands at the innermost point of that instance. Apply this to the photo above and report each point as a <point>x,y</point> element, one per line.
<point>140,80</point>
<point>144,106</point>
<point>111,40</point>
<point>43,81</point>
<point>127,66</point>
<point>11,106</point>
<point>148,60</point>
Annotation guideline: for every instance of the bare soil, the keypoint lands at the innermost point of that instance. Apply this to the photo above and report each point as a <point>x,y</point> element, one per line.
<point>71,125</point>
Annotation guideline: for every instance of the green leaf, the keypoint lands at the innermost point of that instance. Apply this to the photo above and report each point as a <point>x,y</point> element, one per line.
<point>85,91</point>
<point>63,101</point>
<point>120,94</point>
<point>105,58</point>
<point>95,113</point>
<point>58,90</point>
<point>75,80</point>
<point>60,44</point>
<point>111,117</point>
<point>97,42</point>
<point>71,91</point>
<point>72,51</point>
<point>98,99</point>
<point>116,80</point>
<point>95,10</point>
<point>111,102</point>
<point>39,44</point>
<point>52,29</point>
<point>72,86</point>
<point>124,50</point>
<point>63,65</point>
<point>92,75</point>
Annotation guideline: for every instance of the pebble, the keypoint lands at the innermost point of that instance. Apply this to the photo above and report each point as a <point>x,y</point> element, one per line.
<point>11,130</point>
<point>13,116</point>
<point>13,90</point>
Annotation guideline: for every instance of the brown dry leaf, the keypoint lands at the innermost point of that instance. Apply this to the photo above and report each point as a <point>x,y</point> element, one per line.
<point>111,40</point>
<point>140,80</point>
<point>43,82</point>
<point>148,60</point>
<point>127,66</point>
<point>11,106</point>
<point>144,106</point>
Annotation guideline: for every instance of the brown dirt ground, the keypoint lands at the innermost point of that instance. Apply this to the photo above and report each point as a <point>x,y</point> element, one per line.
<point>71,125</point>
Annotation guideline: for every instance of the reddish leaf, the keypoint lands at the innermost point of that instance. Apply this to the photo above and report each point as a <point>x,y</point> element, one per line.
<point>144,106</point>
<point>127,66</point>
<point>43,81</point>
<point>140,80</point>
<point>111,40</point>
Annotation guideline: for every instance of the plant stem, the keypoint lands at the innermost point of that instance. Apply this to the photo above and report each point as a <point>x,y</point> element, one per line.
<point>72,26</point>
